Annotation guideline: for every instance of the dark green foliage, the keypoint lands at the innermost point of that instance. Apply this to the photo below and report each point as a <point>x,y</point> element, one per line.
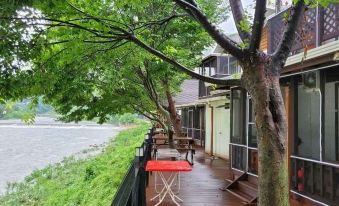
<point>82,71</point>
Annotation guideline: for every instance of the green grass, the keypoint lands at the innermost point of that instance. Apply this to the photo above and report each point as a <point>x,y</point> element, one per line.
<point>91,181</point>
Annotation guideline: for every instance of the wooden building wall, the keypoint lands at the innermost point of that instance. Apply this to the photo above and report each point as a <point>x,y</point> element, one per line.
<point>264,40</point>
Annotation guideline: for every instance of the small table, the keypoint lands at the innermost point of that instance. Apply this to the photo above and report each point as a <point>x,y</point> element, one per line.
<point>166,153</point>
<point>168,166</point>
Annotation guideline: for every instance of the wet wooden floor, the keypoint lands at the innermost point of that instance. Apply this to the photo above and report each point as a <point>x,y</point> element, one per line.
<point>201,186</point>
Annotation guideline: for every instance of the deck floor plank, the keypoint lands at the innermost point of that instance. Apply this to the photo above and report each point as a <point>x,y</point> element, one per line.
<point>201,186</point>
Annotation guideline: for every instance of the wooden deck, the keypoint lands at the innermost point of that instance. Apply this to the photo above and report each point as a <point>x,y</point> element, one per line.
<point>201,186</point>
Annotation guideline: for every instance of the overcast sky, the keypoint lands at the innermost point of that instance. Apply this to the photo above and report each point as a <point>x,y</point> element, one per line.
<point>229,26</point>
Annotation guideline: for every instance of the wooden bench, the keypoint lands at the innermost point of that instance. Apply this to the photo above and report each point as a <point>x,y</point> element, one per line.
<point>185,144</point>
<point>182,144</point>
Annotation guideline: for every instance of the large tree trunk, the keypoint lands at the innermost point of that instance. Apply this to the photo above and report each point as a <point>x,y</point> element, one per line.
<point>168,127</point>
<point>262,82</point>
<point>175,118</point>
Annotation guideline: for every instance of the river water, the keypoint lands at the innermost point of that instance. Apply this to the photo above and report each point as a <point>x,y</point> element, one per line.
<point>25,148</point>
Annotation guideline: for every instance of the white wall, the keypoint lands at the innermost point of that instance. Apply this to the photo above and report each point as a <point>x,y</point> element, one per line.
<point>208,129</point>
<point>221,129</point>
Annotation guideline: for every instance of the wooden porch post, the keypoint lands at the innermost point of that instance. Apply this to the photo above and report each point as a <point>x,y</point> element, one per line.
<point>212,130</point>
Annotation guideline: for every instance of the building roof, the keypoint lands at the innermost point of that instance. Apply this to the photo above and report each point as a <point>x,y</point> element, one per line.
<point>218,50</point>
<point>189,92</point>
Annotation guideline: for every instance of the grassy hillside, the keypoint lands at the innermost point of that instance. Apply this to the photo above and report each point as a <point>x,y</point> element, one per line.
<point>91,181</point>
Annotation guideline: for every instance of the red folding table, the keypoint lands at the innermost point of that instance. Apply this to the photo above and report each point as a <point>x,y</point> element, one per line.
<point>173,167</point>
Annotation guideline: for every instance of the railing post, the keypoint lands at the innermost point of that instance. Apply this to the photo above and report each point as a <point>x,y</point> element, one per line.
<point>319,29</point>
<point>148,151</point>
<point>129,203</point>
<point>139,154</point>
<point>142,188</point>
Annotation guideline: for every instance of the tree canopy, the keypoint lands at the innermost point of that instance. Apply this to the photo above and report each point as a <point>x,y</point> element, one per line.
<point>76,55</point>
<point>74,52</point>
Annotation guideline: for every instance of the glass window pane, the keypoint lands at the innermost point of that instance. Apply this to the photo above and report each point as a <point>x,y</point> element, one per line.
<point>308,139</point>
<point>213,66</point>
<point>207,68</point>
<point>252,135</point>
<point>251,117</point>
<point>237,117</point>
<point>252,130</point>
<point>236,113</point>
<point>238,157</point>
<point>190,119</point>
<point>233,66</point>
<point>253,161</point>
<point>185,111</point>
<point>223,65</point>
<point>330,134</point>
<point>196,118</point>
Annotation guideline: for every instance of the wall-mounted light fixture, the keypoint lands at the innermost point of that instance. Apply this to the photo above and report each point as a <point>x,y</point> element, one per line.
<point>139,151</point>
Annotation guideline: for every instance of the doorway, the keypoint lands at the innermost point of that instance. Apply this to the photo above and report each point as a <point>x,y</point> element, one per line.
<point>221,132</point>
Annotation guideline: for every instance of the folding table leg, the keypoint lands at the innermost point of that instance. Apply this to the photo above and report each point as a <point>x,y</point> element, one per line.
<point>169,190</point>
<point>156,184</point>
<point>164,187</point>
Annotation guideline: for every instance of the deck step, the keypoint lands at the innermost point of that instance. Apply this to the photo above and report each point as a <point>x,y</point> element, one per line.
<point>228,181</point>
<point>243,189</point>
<point>241,195</point>
<point>248,188</point>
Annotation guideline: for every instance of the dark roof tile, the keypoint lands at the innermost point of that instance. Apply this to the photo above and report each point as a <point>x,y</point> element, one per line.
<point>189,92</point>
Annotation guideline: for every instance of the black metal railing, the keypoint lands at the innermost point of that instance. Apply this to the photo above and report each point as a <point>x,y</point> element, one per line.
<point>132,190</point>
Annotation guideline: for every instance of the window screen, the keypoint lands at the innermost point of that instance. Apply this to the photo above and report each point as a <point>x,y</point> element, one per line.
<point>308,137</point>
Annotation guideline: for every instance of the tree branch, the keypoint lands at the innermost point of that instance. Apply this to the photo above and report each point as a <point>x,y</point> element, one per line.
<point>258,24</point>
<point>159,22</point>
<point>123,31</point>
<point>284,48</point>
<point>61,23</point>
<point>155,98</point>
<point>150,116</point>
<point>238,16</point>
<point>224,41</point>
<point>230,82</point>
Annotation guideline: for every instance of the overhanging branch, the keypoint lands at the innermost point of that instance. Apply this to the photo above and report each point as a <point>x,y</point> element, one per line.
<point>258,24</point>
<point>224,41</point>
<point>229,82</point>
<point>159,22</point>
<point>238,16</point>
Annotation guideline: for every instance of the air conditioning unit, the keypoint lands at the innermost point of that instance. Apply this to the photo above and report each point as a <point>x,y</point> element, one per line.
<point>311,80</point>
